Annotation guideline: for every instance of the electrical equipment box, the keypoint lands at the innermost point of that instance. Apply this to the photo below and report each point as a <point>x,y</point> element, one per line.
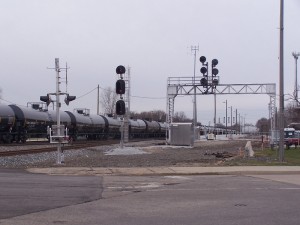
<point>181,134</point>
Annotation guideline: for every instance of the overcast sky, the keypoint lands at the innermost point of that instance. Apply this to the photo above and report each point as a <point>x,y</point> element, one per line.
<point>154,38</point>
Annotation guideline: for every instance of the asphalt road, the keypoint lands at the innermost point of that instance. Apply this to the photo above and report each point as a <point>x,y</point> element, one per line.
<point>134,200</point>
<point>22,193</point>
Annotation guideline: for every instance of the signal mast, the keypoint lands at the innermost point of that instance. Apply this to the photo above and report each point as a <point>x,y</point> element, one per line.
<point>58,133</point>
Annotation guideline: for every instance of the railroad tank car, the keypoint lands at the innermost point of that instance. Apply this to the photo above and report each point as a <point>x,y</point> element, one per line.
<point>137,128</point>
<point>113,127</point>
<point>100,127</point>
<point>163,129</point>
<point>84,125</point>
<point>29,123</point>
<point>152,128</point>
<point>19,123</point>
<point>218,131</point>
<point>7,121</point>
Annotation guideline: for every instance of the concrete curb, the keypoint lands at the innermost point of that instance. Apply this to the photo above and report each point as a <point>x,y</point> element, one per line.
<point>147,171</point>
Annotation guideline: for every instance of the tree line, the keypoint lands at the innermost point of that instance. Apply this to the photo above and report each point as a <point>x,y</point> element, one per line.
<point>291,119</point>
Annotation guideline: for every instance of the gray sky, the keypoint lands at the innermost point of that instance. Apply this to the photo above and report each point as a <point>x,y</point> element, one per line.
<point>154,39</point>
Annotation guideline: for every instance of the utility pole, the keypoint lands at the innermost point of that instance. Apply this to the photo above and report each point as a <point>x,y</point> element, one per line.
<point>226,116</point>
<point>236,114</point>
<point>230,121</point>
<point>296,55</point>
<point>98,99</point>
<point>281,88</point>
<point>195,49</point>
<point>240,123</point>
<point>245,123</point>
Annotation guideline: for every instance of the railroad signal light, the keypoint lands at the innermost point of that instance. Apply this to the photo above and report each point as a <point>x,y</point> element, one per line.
<point>120,87</point>
<point>120,70</point>
<point>214,62</point>
<point>69,98</point>
<point>214,71</point>
<point>46,99</point>
<point>203,82</point>
<point>203,70</point>
<point>120,107</point>
<point>202,59</point>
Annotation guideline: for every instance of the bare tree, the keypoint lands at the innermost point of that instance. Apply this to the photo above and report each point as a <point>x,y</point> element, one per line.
<point>263,124</point>
<point>181,117</point>
<point>292,114</point>
<point>157,115</point>
<point>108,100</point>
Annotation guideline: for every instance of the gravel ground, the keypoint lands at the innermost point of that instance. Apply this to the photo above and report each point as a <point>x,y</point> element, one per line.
<point>137,154</point>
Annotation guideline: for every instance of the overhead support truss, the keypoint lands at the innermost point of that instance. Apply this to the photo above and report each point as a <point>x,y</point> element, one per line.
<point>188,85</point>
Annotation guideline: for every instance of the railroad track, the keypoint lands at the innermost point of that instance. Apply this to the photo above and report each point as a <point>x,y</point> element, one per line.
<point>35,150</point>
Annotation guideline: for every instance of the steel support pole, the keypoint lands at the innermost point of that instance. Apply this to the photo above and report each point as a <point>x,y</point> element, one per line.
<point>281,88</point>
<point>122,133</point>
<point>236,120</point>
<point>194,48</point>
<point>60,157</point>
<point>226,117</point>
<point>231,116</point>
<point>215,110</point>
<point>296,82</point>
<point>296,55</point>
<point>230,121</point>
<point>98,99</point>
<point>239,124</point>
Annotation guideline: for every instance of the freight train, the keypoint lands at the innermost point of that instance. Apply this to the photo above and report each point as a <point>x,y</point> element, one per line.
<point>18,124</point>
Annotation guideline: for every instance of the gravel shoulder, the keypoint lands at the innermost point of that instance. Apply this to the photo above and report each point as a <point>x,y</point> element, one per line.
<point>138,154</point>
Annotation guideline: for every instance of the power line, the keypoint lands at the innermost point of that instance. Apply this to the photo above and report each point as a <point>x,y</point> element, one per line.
<point>87,93</point>
<point>7,101</point>
<point>134,96</point>
<point>12,102</point>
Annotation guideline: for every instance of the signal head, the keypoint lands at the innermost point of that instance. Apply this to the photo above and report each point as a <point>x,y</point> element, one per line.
<point>202,59</point>
<point>203,70</point>
<point>215,71</point>
<point>120,87</point>
<point>46,99</point>
<point>214,62</point>
<point>203,82</point>
<point>120,107</point>
<point>120,69</point>
<point>69,98</point>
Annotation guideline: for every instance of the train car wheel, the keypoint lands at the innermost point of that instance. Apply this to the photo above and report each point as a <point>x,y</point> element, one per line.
<point>16,138</point>
<point>23,138</point>
<point>8,138</point>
